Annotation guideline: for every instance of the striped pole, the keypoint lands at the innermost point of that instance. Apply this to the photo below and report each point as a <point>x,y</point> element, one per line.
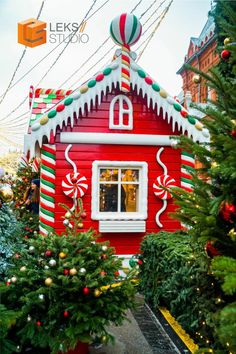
<point>187,166</point>
<point>125,68</point>
<point>47,189</point>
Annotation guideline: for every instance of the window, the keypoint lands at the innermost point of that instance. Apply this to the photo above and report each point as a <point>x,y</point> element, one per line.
<point>119,190</point>
<point>122,118</point>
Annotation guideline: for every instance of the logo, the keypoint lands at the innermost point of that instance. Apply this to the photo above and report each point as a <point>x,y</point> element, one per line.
<point>32,32</point>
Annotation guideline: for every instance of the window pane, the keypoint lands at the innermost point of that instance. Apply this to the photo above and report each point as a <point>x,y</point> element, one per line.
<point>108,197</point>
<point>131,193</point>
<point>130,175</point>
<point>108,175</point>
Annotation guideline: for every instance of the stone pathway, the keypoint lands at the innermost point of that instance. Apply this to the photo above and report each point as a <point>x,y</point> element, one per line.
<point>143,334</point>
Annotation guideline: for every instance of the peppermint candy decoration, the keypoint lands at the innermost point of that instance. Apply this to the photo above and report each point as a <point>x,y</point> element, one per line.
<point>165,181</point>
<point>74,185</point>
<point>125,29</point>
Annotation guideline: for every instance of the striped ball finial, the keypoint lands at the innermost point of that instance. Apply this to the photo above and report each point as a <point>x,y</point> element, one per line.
<point>125,30</point>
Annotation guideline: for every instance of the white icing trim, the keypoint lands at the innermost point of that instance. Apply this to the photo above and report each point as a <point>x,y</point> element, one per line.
<point>165,171</point>
<point>69,160</point>
<point>143,190</point>
<point>113,138</point>
<point>160,212</point>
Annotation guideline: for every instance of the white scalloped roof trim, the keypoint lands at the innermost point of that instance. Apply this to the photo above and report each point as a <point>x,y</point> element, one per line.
<point>169,112</point>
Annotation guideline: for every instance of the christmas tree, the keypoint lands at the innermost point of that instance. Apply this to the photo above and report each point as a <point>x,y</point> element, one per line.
<point>209,212</point>
<point>67,289</point>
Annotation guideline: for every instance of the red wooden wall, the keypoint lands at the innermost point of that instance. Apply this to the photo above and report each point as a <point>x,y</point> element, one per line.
<point>145,122</point>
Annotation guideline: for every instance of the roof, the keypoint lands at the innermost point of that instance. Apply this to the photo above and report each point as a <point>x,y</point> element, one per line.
<point>101,83</point>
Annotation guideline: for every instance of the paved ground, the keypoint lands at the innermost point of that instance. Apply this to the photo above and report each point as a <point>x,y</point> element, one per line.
<point>142,335</point>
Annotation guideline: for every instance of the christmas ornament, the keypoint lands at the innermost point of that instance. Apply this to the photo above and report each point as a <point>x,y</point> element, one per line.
<point>14,279</point>
<point>48,253</point>
<point>232,234</point>
<point>23,269</point>
<point>68,215</point>
<point>73,271</point>
<point>74,185</point>
<point>227,40</point>
<point>104,339</point>
<point>83,215</point>
<point>80,225</point>
<point>66,314</point>
<point>97,292</point>
<point>31,249</point>
<point>165,181</point>
<point>48,281</point>
<point>228,211</point>
<point>86,291</point>
<point>116,274</point>
<point>104,248</point>
<point>41,296</point>
<point>62,255</point>
<point>211,251</point>
<point>103,256</point>
<point>52,262</point>
<point>225,54</point>
<point>82,270</point>
<point>38,323</point>
<point>233,133</point>
<point>132,263</point>
<point>6,194</point>
<point>66,271</point>
<point>8,282</point>
<point>66,222</point>
<point>103,274</point>
<point>29,318</point>
<point>140,262</point>
<point>46,267</point>
<point>196,79</point>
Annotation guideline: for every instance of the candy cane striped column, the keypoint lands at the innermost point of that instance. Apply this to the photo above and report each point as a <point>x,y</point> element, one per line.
<point>125,68</point>
<point>187,165</point>
<point>47,189</point>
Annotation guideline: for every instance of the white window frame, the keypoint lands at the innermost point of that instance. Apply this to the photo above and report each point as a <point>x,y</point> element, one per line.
<point>120,99</point>
<point>143,191</point>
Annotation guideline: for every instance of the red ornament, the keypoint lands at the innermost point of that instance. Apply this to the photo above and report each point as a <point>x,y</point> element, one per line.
<point>103,273</point>
<point>66,314</point>
<point>38,323</point>
<point>211,251</point>
<point>66,271</point>
<point>233,133</point>
<point>48,253</point>
<point>103,256</point>
<point>140,261</point>
<point>74,179</point>
<point>83,215</point>
<point>225,54</point>
<point>8,283</point>
<point>86,291</point>
<point>228,211</point>
<point>116,274</point>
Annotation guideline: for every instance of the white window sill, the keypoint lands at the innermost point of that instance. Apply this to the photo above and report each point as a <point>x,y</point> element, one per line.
<point>128,226</point>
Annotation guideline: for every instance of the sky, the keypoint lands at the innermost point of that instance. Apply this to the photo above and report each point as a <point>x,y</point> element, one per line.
<point>161,59</point>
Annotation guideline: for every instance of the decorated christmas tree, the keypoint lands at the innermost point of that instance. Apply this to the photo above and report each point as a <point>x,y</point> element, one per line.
<point>67,289</point>
<point>209,212</point>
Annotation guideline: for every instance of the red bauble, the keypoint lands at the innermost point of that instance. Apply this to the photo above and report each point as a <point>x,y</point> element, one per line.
<point>48,253</point>
<point>233,133</point>
<point>116,274</point>
<point>211,251</point>
<point>66,271</point>
<point>38,323</point>
<point>66,314</point>
<point>140,261</point>
<point>83,215</point>
<point>103,273</point>
<point>86,291</point>
<point>228,211</point>
<point>225,54</point>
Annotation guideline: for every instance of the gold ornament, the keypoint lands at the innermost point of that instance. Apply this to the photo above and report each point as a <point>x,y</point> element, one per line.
<point>23,269</point>
<point>196,79</point>
<point>68,215</point>
<point>62,255</point>
<point>14,279</point>
<point>80,225</point>
<point>48,281</point>
<point>104,339</point>
<point>227,41</point>
<point>232,234</point>
<point>97,293</point>
<point>214,164</point>
<point>73,271</point>
<point>6,193</point>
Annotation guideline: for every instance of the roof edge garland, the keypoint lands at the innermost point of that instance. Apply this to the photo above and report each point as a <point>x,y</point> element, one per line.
<point>102,82</point>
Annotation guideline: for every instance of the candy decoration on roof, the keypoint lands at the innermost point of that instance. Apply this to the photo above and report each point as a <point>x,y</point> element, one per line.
<point>125,30</point>
<point>74,185</point>
<point>187,166</point>
<point>47,190</point>
<point>163,180</point>
<point>31,95</point>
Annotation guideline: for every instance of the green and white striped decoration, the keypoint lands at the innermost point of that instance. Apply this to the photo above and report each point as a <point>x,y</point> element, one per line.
<point>187,165</point>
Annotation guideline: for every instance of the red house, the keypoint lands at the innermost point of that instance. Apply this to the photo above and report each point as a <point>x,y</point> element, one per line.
<point>109,142</point>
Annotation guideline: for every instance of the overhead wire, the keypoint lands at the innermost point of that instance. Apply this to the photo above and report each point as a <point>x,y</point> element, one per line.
<point>20,60</point>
